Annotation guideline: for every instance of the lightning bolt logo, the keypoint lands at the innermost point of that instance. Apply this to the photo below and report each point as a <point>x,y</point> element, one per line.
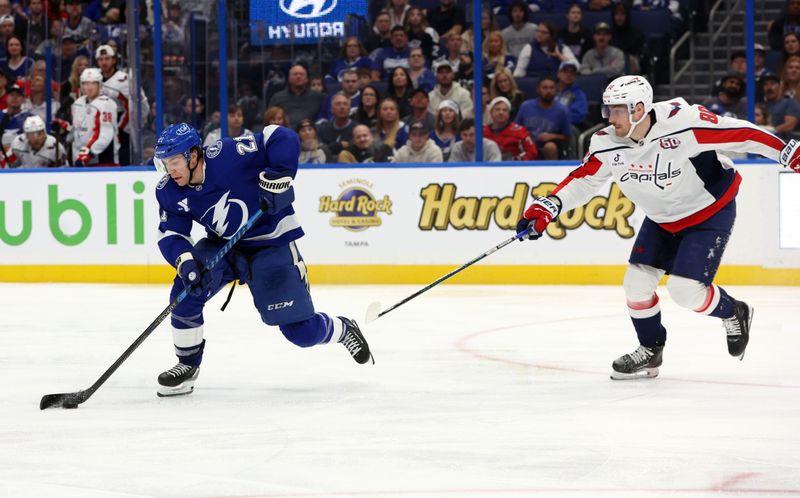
<point>219,216</point>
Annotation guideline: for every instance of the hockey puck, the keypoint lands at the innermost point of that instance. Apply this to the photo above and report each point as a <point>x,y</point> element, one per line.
<point>70,405</point>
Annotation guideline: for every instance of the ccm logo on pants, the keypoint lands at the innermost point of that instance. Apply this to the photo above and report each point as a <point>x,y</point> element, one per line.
<point>278,306</point>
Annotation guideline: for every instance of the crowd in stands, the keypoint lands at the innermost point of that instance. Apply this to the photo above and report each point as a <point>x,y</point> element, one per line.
<point>403,92</point>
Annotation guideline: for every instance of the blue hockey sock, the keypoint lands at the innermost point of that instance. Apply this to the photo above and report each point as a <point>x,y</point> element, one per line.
<point>319,329</point>
<point>646,318</point>
<point>724,308</point>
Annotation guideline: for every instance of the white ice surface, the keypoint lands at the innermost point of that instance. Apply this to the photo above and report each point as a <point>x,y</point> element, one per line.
<point>477,391</point>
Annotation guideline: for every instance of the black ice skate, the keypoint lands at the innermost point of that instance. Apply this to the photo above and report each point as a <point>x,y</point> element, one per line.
<point>737,328</point>
<point>355,343</point>
<point>177,380</point>
<point>642,363</point>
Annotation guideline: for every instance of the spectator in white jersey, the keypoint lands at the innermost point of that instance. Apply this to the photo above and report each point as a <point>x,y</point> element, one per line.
<point>35,148</point>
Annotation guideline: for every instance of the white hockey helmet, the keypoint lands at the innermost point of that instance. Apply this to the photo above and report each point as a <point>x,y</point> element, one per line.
<point>33,124</point>
<point>91,74</point>
<point>628,90</point>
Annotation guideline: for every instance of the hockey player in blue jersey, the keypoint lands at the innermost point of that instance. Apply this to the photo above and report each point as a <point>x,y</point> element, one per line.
<point>220,187</point>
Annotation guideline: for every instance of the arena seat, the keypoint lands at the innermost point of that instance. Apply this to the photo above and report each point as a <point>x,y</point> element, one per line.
<point>527,85</point>
<point>652,23</point>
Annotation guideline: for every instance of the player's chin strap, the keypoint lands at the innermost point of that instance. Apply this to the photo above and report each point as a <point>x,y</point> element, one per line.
<point>191,172</point>
<point>634,124</point>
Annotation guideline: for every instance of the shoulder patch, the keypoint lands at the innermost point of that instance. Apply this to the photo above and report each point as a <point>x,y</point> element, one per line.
<point>163,182</point>
<point>214,149</point>
<point>676,108</point>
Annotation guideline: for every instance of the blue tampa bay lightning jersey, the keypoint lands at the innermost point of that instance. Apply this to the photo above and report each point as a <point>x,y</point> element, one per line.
<point>230,193</point>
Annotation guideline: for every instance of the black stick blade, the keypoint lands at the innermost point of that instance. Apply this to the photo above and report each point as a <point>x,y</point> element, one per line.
<point>62,400</point>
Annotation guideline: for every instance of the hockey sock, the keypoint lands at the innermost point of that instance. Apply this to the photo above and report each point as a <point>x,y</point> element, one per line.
<point>189,345</point>
<point>718,303</point>
<point>646,318</point>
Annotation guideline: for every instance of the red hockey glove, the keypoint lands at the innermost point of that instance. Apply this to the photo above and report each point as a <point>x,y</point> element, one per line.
<point>790,155</point>
<point>63,124</point>
<point>536,218</point>
<point>84,156</point>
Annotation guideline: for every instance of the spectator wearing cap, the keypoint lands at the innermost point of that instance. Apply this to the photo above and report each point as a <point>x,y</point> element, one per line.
<point>421,76</point>
<point>447,18</point>
<point>504,85</point>
<point>419,102</point>
<point>349,88</point>
<point>337,133</point>
<point>570,95</point>
<point>789,22</point>
<point>546,120</point>
<point>759,59</point>
<point>16,64</point>
<point>14,116</point>
<point>352,57</point>
<point>116,85</point>
<point>576,36</point>
<point>464,150</point>
<point>445,131</point>
<point>311,151</point>
<point>7,26</point>
<point>297,99</point>
<point>364,148</point>
<point>381,33</point>
<point>603,58</point>
<point>389,129</point>
<point>448,89</point>
<point>419,148</point>
<point>729,101</point>
<point>76,24</point>
<point>784,112</point>
<point>367,111</point>
<point>513,140</point>
<point>737,66</point>
<point>235,126</point>
<point>420,35</point>
<point>520,32</point>
<point>627,38</point>
<point>543,54</point>
<point>495,57</point>
<point>396,55</point>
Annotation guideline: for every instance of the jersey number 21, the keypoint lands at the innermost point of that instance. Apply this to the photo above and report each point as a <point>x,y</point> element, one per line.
<point>245,145</point>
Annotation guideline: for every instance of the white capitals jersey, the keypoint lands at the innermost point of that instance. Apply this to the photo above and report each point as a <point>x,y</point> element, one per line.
<point>676,173</point>
<point>95,126</point>
<point>50,155</point>
<point>117,88</point>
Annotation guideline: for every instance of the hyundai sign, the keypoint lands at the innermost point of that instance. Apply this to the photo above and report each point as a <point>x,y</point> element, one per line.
<point>276,22</point>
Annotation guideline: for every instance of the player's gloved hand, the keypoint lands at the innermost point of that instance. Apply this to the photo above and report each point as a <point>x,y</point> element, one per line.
<point>790,155</point>
<point>539,214</point>
<point>197,280</point>
<point>84,156</point>
<point>276,194</point>
<point>63,124</point>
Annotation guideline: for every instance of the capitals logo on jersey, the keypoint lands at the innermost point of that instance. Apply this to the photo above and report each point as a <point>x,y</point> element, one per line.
<point>226,216</point>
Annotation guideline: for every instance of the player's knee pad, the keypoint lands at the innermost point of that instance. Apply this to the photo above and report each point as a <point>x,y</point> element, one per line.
<point>306,333</point>
<point>641,282</point>
<point>686,292</point>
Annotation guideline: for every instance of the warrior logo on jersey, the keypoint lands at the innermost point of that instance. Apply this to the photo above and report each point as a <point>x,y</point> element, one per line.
<point>676,107</point>
<point>226,216</point>
<point>356,208</point>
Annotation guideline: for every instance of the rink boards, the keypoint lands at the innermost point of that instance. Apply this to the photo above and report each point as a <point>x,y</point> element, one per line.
<point>390,224</point>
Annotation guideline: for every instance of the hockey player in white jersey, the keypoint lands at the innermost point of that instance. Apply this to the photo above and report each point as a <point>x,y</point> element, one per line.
<point>116,85</point>
<point>665,157</point>
<point>34,148</point>
<point>94,124</point>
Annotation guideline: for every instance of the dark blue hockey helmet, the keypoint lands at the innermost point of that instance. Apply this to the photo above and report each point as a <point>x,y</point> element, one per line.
<point>175,139</point>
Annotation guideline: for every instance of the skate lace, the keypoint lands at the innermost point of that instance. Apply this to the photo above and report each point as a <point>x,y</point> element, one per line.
<point>178,370</point>
<point>641,355</point>
<point>732,326</point>
<point>352,343</point>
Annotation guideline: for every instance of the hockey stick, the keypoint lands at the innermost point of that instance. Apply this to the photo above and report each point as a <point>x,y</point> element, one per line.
<point>72,400</point>
<point>373,310</point>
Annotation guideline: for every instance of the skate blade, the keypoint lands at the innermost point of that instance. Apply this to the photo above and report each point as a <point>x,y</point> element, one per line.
<point>646,373</point>
<point>179,390</point>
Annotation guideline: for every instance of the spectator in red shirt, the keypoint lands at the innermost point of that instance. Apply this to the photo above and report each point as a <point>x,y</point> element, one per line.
<point>514,141</point>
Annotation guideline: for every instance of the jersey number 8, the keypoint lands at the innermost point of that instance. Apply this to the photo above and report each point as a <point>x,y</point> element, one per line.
<point>245,145</point>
